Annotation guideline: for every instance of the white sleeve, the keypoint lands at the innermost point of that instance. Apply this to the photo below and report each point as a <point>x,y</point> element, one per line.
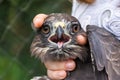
<point>78,9</point>
<point>113,24</point>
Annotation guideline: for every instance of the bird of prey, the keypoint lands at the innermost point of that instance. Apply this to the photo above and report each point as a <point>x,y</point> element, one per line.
<point>99,59</point>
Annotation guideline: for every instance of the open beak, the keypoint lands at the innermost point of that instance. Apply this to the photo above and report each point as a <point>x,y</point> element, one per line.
<point>60,37</point>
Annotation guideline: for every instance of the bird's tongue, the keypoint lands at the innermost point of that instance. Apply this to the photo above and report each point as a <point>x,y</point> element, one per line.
<point>60,44</point>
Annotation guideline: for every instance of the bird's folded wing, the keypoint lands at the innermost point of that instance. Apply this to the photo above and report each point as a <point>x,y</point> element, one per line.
<point>106,50</point>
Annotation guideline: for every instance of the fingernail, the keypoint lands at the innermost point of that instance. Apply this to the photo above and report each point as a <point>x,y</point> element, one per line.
<point>70,65</point>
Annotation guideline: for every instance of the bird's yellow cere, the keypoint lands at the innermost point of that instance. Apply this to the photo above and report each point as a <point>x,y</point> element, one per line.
<point>57,24</point>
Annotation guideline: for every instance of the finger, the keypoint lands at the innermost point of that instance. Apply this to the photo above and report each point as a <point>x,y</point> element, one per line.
<point>38,20</point>
<point>57,75</point>
<point>67,65</point>
<point>81,39</point>
<point>55,65</point>
<point>70,65</point>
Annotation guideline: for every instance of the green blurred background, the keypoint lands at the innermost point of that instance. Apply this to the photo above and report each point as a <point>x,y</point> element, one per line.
<point>16,36</point>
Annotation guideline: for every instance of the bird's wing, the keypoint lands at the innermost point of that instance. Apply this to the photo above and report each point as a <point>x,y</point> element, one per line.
<point>106,51</point>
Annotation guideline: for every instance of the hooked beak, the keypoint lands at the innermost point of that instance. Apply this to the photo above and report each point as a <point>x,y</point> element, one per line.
<point>59,32</point>
<point>60,37</point>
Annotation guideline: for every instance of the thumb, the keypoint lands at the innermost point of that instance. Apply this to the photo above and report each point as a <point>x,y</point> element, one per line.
<point>39,20</point>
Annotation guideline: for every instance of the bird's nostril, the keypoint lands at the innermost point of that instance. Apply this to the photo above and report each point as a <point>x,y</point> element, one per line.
<point>64,38</point>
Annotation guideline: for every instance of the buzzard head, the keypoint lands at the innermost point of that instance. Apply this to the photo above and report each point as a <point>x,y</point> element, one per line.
<point>56,39</point>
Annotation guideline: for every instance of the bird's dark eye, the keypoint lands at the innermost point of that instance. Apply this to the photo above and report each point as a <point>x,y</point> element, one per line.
<point>45,29</point>
<point>75,28</point>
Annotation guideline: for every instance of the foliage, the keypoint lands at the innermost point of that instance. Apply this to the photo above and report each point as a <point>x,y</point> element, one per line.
<point>16,36</point>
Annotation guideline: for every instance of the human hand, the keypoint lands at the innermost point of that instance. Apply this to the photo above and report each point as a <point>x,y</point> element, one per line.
<point>57,70</point>
<point>39,20</point>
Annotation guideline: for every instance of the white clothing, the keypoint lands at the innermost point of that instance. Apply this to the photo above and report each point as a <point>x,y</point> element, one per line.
<point>102,13</point>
